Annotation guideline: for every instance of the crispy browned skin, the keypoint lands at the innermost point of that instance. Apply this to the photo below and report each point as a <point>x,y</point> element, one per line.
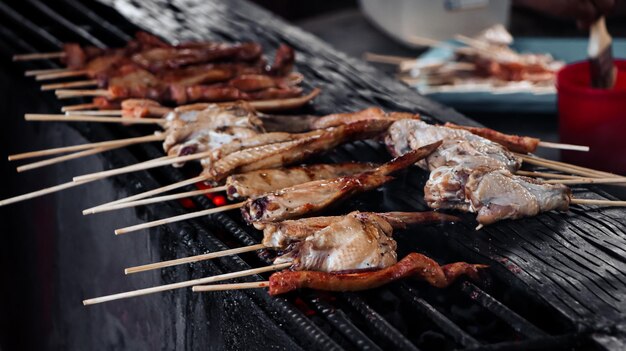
<point>414,265</point>
<point>281,234</point>
<point>314,196</point>
<point>366,114</point>
<point>288,152</point>
<point>516,143</point>
<point>255,183</point>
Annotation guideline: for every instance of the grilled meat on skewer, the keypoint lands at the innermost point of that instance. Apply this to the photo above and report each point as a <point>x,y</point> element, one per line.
<point>281,234</point>
<point>414,265</point>
<point>314,196</point>
<point>515,143</point>
<point>298,148</point>
<point>255,183</point>
<point>366,114</point>
<point>493,194</point>
<point>459,146</point>
<point>195,131</point>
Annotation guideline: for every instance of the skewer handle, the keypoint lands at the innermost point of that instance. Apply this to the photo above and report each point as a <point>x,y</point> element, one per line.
<point>157,199</point>
<point>179,218</point>
<point>39,56</point>
<point>207,280</point>
<point>198,258</point>
<point>562,146</point>
<point>236,286</point>
<point>582,180</point>
<point>64,118</point>
<point>597,202</point>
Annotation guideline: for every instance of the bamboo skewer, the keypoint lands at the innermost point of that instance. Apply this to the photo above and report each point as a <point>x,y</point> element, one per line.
<point>198,258</point>
<point>64,74</point>
<point>179,218</point>
<point>134,168</point>
<point>78,107</point>
<point>564,167</point>
<point>60,150</point>
<point>64,118</point>
<point>185,284</point>
<point>77,84</point>
<point>41,192</point>
<point>158,199</point>
<point>597,202</point>
<point>545,175</point>
<point>38,72</point>
<point>235,286</point>
<point>39,56</point>
<point>582,180</point>
<point>102,208</point>
<point>49,190</point>
<point>107,113</point>
<point>562,146</point>
<point>72,93</point>
<point>54,160</point>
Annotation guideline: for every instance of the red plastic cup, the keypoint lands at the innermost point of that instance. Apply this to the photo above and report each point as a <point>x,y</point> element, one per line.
<point>593,117</point>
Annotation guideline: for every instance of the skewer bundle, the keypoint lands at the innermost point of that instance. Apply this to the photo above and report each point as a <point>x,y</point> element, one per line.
<point>190,72</point>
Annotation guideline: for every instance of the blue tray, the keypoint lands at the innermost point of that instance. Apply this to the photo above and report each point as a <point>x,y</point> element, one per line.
<point>568,50</point>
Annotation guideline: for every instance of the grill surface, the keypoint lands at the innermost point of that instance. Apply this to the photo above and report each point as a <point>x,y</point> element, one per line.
<point>557,281</point>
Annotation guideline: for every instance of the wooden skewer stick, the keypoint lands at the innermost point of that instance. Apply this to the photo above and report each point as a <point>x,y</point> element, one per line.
<point>235,286</point>
<point>597,202</point>
<point>564,167</point>
<point>38,72</point>
<point>73,93</point>
<point>64,118</point>
<point>46,191</point>
<point>81,83</point>
<point>78,107</point>
<point>562,146</point>
<point>581,180</point>
<point>109,113</point>
<point>54,160</point>
<point>179,218</point>
<point>140,167</point>
<point>198,258</point>
<point>158,199</point>
<point>39,56</point>
<point>185,284</point>
<point>60,150</point>
<point>41,192</point>
<point>545,175</point>
<point>146,194</point>
<point>65,74</point>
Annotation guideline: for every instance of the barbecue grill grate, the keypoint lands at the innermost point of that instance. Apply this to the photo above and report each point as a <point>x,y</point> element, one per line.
<point>518,308</point>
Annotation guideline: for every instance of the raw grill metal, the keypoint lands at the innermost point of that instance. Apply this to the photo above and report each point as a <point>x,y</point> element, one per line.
<point>557,281</point>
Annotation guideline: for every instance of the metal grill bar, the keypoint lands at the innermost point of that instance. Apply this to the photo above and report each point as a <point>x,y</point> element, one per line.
<point>97,19</point>
<point>23,21</point>
<point>517,322</point>
<point>45,9</point>
<point>444,323</point>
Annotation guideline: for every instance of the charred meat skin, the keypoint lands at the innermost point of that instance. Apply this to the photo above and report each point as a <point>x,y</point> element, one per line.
<point>414,265</point>
<point>314,196</point>
<point>515,143</point>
